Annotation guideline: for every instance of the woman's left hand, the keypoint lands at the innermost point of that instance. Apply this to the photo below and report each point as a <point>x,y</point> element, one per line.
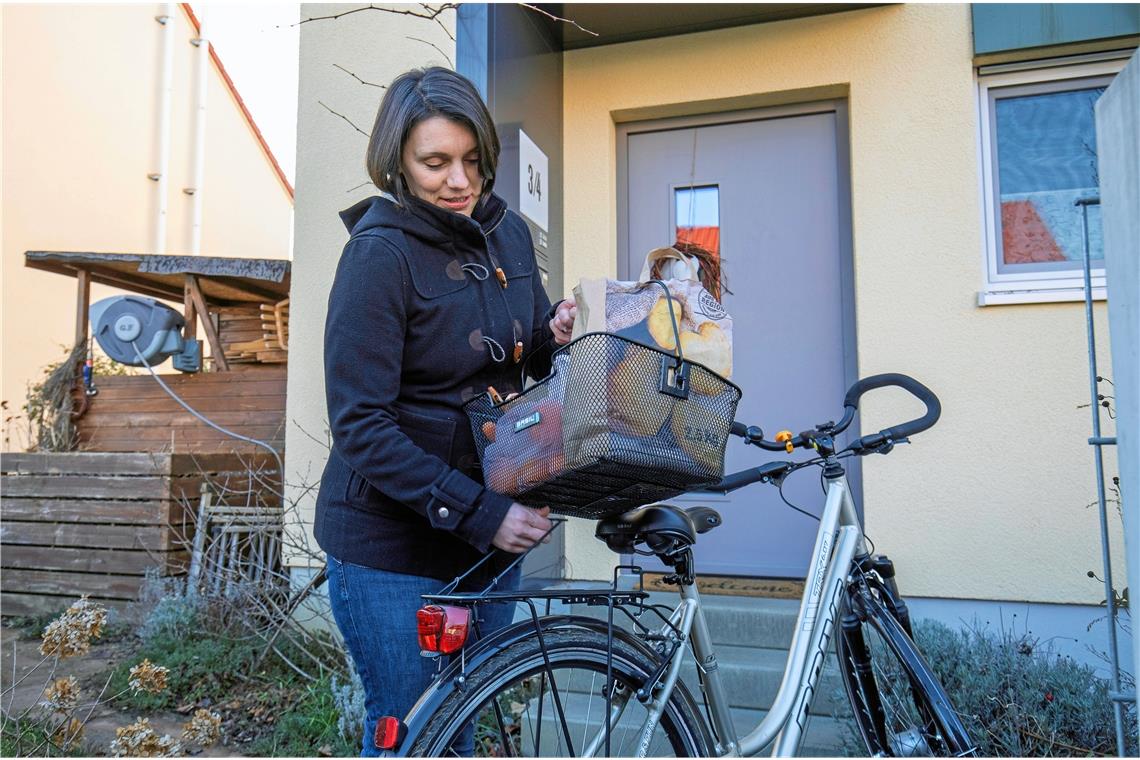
<point>563,323</point>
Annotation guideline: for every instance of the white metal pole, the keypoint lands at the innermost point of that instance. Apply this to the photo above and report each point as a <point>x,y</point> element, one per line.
<point>166,18</point>
<point>199,155</point>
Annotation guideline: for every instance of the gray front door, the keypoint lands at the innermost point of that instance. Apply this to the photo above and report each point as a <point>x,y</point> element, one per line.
<point>770,189</point>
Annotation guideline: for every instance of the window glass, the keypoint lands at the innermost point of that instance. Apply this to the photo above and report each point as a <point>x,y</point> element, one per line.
<point>697,214</point>
<point>1046,160</point>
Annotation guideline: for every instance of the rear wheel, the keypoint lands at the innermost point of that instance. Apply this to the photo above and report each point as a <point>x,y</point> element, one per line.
<point>519,710</point>
<point>900,708</point>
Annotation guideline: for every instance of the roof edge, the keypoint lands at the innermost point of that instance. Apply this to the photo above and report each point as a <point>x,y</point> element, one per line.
<point>285,184</point>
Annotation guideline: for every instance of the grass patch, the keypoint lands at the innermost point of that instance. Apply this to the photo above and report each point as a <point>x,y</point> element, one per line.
<point>200,667</point>
<point>272,712</point>
<point>308,727</point>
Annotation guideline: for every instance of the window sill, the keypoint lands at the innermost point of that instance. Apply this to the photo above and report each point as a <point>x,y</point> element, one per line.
<point>1062,295</point>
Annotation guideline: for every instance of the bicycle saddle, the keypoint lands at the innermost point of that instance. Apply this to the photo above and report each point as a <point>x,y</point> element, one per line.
<point>664,528</point>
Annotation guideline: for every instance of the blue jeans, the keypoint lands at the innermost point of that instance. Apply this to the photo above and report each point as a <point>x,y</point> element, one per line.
<point>376,613</point>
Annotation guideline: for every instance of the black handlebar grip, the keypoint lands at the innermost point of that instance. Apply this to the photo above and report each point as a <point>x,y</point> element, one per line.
<point>735,480</point>
<point>738,429</point>
<point>911,386</point>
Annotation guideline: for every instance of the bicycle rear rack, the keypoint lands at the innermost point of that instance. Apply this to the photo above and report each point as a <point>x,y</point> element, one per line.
<point>630,602</point>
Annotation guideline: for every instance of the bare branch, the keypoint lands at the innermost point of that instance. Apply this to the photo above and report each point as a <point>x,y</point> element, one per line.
<point>446,57</point>
<point>439,22</point>
<point>358,79</point>
<point>334,113</point>
<point>327,443</point>
<point>429,13</point>
<point>551,16</point>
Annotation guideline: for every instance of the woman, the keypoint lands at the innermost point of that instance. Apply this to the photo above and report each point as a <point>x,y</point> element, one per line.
<point>437,296</point>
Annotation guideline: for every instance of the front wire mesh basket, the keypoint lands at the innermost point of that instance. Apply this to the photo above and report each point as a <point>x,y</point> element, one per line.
<point>617,424</point>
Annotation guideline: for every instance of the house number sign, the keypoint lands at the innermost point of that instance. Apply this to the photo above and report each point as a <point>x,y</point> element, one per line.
<point>534,186</point>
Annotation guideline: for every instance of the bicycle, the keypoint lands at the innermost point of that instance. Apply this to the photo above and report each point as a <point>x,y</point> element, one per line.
<point>530,678</point>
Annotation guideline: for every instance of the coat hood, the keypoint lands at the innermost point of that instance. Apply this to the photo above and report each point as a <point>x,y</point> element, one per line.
<point>420,219</point>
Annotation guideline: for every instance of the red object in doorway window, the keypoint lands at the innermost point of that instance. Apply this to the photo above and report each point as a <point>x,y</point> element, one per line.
<point>706,237</point>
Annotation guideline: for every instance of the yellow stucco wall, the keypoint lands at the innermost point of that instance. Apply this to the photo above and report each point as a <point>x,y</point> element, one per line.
<point>374,46</point>
<point>990,504</point>
<point>79,111</point>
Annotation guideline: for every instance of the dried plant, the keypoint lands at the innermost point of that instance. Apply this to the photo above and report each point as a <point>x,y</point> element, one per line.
<point>138,739</point>
<point>148,677</point>
<point>56,719</point>
<point>71,633</point>
<point>50,404</point>
<point>204,728</point>
<point>61,695</point>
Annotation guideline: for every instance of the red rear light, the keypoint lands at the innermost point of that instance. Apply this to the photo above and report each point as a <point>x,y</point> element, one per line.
<point>389,733</point>
<point>442,630</point>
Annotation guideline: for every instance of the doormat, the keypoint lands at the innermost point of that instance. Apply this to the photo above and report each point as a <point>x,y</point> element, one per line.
<point>726,585</point>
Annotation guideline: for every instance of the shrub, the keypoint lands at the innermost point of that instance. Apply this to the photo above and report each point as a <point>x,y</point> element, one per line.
<point>1019,699</point>
<point>169,612</point>
<point>348,698</point>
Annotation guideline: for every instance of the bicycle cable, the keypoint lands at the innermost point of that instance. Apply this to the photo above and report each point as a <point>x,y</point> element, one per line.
<point>780,489</point>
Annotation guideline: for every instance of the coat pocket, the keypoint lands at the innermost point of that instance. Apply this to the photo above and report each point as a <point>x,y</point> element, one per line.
<point>435,435</point>
<point>356,488</point>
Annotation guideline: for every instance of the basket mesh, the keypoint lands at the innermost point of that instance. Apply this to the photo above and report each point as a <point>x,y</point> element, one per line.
<point>599,436</point>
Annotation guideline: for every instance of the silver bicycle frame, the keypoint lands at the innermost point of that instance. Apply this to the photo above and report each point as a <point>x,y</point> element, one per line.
<point>840,537</point>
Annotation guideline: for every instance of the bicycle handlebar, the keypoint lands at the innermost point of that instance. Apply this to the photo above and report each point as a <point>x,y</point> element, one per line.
<point>902,430</point>
<point>755,435</point>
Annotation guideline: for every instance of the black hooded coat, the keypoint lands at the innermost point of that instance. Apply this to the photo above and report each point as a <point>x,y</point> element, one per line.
<point>418,322</point>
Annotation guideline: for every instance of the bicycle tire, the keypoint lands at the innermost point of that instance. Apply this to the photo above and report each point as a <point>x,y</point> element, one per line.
<point>681,725</point>
<point>900,708</point>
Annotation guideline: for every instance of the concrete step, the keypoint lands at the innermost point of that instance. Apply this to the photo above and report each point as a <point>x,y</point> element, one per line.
<point>751,678</point>
<point>825,736</point>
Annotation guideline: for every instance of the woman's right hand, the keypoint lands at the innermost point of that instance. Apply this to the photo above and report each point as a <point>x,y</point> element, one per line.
<point>522,528</point>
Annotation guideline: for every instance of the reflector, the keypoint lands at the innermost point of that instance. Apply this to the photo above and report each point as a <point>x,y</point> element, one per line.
<point>442,630</point>
<point>389,733</point>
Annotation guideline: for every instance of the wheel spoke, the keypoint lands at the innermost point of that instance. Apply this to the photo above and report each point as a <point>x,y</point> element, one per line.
<point>527,695</point>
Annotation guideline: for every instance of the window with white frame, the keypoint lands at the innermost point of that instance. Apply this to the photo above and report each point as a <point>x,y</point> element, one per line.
<point>1038,147</point>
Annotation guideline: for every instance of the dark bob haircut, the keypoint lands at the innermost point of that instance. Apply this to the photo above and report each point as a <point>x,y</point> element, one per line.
<point>415,96</point>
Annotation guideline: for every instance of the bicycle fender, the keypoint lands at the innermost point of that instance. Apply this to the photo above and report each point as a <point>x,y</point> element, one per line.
<point>447,682</point>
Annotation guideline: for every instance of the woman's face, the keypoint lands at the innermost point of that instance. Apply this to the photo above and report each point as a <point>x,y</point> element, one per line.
<point>441,164</point>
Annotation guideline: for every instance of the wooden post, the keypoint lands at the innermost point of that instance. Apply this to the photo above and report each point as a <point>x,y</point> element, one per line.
<point>207,324</point>
<point>201,528</point>
<point>83,302</point>
<point>188,311</point>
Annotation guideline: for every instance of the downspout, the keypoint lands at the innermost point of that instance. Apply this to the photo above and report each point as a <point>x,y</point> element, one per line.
<point>158,243</point>
<point>198,157</point>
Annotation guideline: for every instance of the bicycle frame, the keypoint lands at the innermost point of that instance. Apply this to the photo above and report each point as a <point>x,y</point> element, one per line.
<point>839,539</point>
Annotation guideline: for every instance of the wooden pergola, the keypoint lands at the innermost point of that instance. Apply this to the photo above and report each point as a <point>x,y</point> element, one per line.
<point>201,283</point>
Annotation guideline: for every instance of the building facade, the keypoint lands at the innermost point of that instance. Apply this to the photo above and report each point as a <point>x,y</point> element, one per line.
<point>892,190</point>
<point>82,140</point>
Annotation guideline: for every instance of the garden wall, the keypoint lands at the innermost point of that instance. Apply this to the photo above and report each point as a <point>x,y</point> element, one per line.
<point>95,523</point>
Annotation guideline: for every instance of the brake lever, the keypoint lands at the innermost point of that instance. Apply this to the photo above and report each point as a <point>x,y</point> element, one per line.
<point>774,472</point>
<point>884,446</point>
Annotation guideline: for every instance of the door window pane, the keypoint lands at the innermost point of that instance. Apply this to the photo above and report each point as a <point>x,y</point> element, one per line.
<point>1046,160</point>
<point>697,214</point>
